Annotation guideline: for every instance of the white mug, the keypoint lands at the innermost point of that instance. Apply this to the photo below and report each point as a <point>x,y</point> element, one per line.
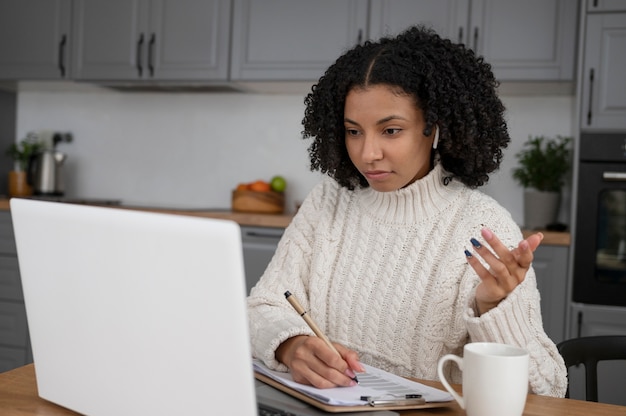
<point>495,379</point>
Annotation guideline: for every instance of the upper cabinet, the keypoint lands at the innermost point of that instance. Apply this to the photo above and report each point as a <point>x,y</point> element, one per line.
<point>35,39</point>
<point>533,40</point>
<point>151,39</point>
<point>293,40</point>
<point>448,17</point>
<point>604,66</point>
<point>187,41</point>
<point>526,40</point>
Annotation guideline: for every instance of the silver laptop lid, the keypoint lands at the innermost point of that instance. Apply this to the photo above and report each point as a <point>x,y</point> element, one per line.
<point>135,313</point>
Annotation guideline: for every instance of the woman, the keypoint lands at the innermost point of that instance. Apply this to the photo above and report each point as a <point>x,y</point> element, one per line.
<point>396,255</point>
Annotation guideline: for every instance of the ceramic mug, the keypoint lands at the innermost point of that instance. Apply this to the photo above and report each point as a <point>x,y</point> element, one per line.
<point>495,379</point>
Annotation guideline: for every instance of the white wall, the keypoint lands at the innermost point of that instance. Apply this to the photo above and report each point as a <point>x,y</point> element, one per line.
<point>191,149</point>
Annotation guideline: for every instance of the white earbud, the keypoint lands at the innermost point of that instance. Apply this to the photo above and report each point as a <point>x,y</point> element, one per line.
<point>436,140</point>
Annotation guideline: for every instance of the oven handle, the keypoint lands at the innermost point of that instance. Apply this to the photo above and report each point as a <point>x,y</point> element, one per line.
<point>614,176</point>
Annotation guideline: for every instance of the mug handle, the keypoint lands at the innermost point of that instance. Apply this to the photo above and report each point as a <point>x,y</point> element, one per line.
<point>459,361</point>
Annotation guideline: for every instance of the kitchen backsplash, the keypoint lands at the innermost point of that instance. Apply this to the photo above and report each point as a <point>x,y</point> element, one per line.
<point>191,149</point>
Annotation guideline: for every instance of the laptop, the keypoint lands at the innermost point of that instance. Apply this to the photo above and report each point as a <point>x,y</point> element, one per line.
<point>134,313</point>
<point>138,313</point>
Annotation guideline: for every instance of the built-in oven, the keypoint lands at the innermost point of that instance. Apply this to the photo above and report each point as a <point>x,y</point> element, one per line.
<point>599,275</point>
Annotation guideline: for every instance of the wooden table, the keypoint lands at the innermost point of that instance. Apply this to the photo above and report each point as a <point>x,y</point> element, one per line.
<point>18,397</point>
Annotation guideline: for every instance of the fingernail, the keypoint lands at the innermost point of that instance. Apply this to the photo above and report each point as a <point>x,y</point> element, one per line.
<point>487,234</point>
<point>468,254</point>
<point>475,243</point>
<point>352,376</point>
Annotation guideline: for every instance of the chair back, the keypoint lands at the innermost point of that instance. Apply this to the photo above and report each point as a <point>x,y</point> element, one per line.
<point>588,351</point>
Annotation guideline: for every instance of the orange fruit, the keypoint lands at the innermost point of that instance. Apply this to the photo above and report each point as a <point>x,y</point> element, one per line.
<point>260,186</point>
<point>243,187</point>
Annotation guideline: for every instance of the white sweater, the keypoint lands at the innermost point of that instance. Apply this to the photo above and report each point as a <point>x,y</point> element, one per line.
<point>385,274</point>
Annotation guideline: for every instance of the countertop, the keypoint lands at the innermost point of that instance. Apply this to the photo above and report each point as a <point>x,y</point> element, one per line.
<point>249,219</point>
<point>275,220</point>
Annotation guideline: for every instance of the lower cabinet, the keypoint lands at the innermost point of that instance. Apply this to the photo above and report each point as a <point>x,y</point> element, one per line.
<point>15,348</point>
<point>259,245</point>
<point>550,264</point>
<point>591,320</point>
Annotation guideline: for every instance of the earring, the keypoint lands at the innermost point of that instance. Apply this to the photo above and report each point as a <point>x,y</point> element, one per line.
<point>436,140</point>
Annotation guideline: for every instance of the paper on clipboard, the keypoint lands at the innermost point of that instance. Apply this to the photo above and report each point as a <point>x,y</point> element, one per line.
<point>374,383</point>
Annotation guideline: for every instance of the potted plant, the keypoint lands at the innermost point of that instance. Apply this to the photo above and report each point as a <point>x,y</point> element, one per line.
<point>21,153</point>
<point>544,163</point>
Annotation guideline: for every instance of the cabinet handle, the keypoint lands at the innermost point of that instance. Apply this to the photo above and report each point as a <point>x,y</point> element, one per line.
<point>151,54</point>
<point>595,3</point>
<point>475,40</point>
<point>580,324</point>
<point>359,39</point>
<point>139,54</point>
<point>589,111</point>
<point>263,235</point>
<point>61,63</point>
<point>461,34</point>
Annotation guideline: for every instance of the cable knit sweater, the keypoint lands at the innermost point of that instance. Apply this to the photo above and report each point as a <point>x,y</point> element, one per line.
<point>385,274</point>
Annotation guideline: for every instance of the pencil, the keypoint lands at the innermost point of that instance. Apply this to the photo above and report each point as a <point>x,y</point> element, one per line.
<point>311,323</point>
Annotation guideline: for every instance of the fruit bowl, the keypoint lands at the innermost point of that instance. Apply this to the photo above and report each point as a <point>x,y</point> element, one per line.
<point>262,202</point>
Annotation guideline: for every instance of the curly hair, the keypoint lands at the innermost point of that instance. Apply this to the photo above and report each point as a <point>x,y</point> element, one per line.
<point>454,88</point>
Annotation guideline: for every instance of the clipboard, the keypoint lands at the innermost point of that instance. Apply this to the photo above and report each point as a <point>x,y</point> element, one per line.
<point>343,409</point>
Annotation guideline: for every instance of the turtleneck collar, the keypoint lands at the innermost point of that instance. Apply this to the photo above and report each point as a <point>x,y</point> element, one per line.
<point>421,200</point>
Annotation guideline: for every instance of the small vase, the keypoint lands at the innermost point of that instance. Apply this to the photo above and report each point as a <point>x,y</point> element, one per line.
<point>540,208</point>
<point>18,184</point>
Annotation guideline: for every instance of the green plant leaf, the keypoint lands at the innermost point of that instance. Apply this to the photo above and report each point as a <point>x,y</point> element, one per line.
<point>544,163</point>
<point>22,152</point>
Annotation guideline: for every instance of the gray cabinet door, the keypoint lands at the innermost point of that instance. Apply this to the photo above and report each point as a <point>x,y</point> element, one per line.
<point>293,40</point>
<point>550,265</point>
<point>34,39</point>
<point>259,245</point>
<point>189,39</point>
<point>151,39</point>
<point>604,89</point>
<point>14,341</point>
<point>532,40</point>
<point>449,18</point>
<point>110,39</point>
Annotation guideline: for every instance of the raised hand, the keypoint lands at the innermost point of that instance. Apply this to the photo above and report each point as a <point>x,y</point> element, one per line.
<point>506,268</point>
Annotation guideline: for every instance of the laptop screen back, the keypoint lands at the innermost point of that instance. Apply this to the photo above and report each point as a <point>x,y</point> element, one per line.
<point>135,313</point>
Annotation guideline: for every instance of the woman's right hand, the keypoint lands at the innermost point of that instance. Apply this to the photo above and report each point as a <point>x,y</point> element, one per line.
<point>311,362</point>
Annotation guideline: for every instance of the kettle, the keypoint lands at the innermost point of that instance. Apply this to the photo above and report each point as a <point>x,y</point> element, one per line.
<point>45,173</point>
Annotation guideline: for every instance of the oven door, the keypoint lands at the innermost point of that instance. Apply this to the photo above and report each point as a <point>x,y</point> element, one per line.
<point>600,247</point>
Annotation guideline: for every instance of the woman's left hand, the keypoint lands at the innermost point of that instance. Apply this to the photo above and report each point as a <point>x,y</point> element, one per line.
<point>507,268</point>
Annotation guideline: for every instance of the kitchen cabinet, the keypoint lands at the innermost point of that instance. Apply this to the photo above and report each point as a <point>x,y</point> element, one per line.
<point>523,41</point>
<point>448,17</point>
<point>132,40</point>
<point>550,265</point>
<point>293,40</point>
<point>591,320</point>
<point>14,340</point>
<point>259,245</point>
<point>35,39</point>
<point>604,65</point>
